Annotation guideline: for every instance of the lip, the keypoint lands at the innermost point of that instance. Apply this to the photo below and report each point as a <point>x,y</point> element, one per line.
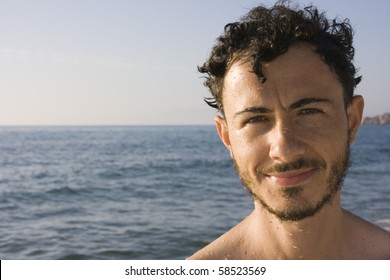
<point>293,178</point>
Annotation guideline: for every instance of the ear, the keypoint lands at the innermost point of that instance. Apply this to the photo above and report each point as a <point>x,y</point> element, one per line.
<point>355,115</point>
<point>222,128</point>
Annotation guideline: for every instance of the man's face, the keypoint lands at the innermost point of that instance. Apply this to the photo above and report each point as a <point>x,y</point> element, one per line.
<point>289,137</point>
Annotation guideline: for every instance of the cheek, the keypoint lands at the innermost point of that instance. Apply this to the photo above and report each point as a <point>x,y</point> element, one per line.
<point>328,138</point>
<point>249,153</point>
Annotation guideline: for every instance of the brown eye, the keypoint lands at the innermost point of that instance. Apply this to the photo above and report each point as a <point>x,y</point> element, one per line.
<point>257,119</point>
<point>310,111</point>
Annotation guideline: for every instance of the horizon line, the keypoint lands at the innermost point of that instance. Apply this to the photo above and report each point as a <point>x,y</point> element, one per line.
<point>96,125</point>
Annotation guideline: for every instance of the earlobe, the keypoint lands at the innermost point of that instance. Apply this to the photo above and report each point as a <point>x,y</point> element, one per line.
<point>355,115</point>
<point>222,129</point>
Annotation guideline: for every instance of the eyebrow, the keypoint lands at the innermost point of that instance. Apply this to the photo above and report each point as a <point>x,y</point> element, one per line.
<point>255,109</point>
<point>297,104</point>
<point>306,101</point>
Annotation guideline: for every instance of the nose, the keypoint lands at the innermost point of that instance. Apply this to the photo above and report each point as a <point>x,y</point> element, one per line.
<point>285,143</point>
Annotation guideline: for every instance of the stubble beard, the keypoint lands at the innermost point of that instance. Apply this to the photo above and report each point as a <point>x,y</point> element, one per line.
<point>299,210</point>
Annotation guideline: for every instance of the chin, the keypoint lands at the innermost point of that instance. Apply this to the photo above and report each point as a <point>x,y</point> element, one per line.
<point>293,205</point>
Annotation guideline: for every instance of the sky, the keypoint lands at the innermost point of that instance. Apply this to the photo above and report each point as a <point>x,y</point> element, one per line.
<point>118,62</point>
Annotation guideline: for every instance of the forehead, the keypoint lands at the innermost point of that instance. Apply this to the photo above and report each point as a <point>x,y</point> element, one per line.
<point>300,71</point>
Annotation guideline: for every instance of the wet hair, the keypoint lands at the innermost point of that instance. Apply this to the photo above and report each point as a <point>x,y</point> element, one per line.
<point>266,33</point>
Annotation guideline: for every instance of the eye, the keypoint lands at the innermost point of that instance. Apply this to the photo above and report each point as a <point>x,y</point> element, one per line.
<point>256,119</point>
<point>310,111</point>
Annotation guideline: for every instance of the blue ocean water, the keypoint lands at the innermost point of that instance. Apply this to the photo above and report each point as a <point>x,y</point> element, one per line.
<point>143,192</point>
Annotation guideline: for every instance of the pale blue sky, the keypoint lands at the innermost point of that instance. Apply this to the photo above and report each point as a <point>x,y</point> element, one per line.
<point>117,62</point>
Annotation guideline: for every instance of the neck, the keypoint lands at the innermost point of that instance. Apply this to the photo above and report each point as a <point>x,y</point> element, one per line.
<point>317,237</point>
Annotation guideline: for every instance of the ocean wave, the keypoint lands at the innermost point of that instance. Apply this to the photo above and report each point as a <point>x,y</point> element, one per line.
<point>76,257</point>
<point>118,254</point>
<point>63,191</point>
<point>103,255</point>
<point>384,223</point>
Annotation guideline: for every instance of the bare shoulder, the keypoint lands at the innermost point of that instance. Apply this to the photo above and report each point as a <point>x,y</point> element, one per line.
<point>216,250</point>
<point>227,246</point>
<point>368,241</point>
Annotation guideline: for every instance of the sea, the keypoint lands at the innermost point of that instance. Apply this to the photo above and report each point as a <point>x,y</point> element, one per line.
<point>143,192</point>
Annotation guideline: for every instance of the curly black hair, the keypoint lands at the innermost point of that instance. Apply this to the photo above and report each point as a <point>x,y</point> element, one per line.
<point>266,33</point>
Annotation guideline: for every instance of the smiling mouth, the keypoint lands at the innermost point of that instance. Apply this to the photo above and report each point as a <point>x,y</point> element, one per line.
<point>292,178</point>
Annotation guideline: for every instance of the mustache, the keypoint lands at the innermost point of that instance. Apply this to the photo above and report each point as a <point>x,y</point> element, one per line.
<point>295,165</point>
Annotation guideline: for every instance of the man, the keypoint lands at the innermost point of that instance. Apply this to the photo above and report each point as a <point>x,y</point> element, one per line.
<point>283,80</point>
